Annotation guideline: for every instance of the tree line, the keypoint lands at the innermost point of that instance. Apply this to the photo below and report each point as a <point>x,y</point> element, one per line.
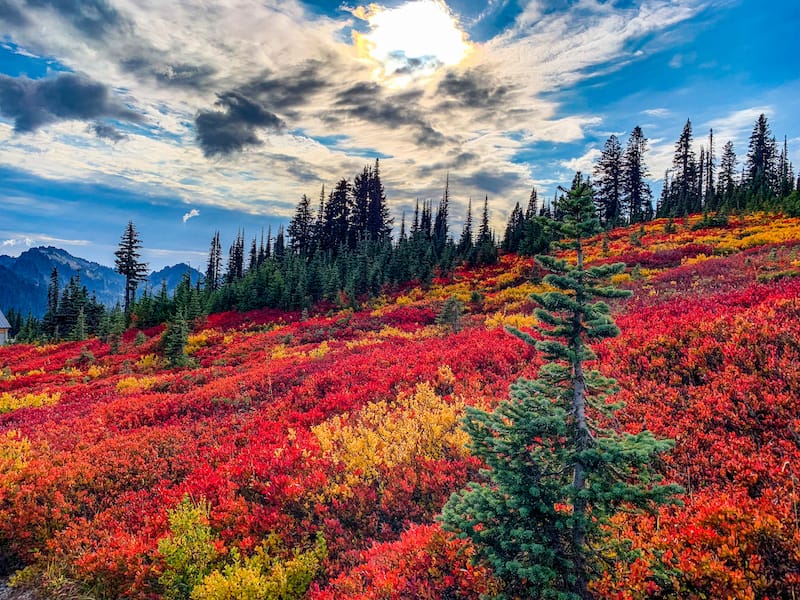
<point>342,252</point>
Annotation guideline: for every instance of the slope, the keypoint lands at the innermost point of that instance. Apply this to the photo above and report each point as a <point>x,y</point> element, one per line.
<point>347,425</point>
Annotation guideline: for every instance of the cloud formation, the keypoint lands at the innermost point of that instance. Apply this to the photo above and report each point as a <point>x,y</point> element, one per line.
<point>68,96</point>
<point>191,215</point>
<point>280,98</point>
<point>235,127</point>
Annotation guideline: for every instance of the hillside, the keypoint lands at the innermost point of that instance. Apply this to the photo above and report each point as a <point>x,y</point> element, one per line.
<point>346,425</point>
<point>26,277</point>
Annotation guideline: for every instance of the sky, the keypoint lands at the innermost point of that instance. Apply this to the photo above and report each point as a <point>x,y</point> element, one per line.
<point>191,117</point>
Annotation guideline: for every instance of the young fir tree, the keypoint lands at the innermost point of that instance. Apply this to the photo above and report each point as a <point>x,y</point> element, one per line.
<point>557,470</point>
<point>174,339</point>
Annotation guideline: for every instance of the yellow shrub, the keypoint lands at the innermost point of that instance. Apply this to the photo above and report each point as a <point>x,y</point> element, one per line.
<point>620,278</point>
<point>516,320</point>
<point>14,450</point>
<point>35,372</point>
<point>134,385</point>
<point>96,371</point>
<point>320,350</point>
<point>391,434</point>
<point>189,551</point>
<point>264,576</point>
<point>279,351</point>
<point>9,402</point>
<point>403,301</point>
<point>71,371</point>
<point>149,363</point>
<point>196,341</point>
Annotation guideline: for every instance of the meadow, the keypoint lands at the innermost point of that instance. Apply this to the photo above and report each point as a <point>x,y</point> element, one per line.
<point>309,456</point>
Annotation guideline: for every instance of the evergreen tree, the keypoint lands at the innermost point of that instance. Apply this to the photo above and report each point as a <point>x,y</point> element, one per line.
<point>608,181</point>
<point>336,218</point>
<point>637,198</point>
<point>556,473</point>
<point>174,339</point>
<point>682,198</point>
<point>214,268</point>
<point>49,324</point>
<point>128,263</point>
<point>726,185</point>
<point>710,197</point>
<point>235,268</point>
<point>359,208</point>
<point>440,225</point>
<point>515,230</point>
<point>379,224</point>
<point>116,327</point>
<point>301,227</point>
<point>465,241</point>
<point>485,249</point>
<point>761,161</point>
<point>78,332</point>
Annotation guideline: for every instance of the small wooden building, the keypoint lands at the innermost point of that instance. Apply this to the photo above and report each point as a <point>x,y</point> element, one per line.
<point>5,327</point>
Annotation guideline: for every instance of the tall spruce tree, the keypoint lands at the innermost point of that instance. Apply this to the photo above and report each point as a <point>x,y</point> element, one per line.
<point>557,469</point>
<point>301,227</point>
<point>608,182</point>
<point>214,266</point>
<point>761,161</point>
<point>128,263</point>
<point>637,197</point>
<point>465,241</point>
<point>726,184</point>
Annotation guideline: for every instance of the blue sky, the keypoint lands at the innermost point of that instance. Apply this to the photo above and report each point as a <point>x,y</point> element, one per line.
<point>191,118</point>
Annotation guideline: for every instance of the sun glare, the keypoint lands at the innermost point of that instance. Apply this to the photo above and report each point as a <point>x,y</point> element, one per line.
<point>415,37</point>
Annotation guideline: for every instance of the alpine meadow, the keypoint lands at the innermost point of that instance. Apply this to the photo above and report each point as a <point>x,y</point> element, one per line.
<point>421,299</point>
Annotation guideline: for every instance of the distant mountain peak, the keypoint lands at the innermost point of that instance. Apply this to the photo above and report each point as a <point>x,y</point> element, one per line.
<point>29,275</point>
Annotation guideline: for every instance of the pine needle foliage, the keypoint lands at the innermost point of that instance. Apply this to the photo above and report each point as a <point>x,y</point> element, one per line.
<point>557,469</point>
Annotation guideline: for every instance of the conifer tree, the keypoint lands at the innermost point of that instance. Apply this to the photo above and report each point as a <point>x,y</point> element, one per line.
<point>608,180</point>
<point>379,224</point>
<point>637,197</point>
<point>726,185</point>
<point>465,241</point>
<point>128,263</point>
<point>761,158</point>
<point>174,340</point>
<point>301,227</point>
<point>557,470</point>
<point>440,226</point>
<point>49,323</point>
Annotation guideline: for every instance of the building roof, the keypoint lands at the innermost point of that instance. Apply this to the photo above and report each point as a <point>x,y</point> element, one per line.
<point>4,324</point>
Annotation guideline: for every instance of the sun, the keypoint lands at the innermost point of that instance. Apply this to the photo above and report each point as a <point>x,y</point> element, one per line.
<point>415,38</point>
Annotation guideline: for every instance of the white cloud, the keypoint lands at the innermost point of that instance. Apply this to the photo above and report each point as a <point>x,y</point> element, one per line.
<point>243,41</point>
<point>585,163</point>
<point>191,215</point>
<point>657,112</point>
<point>15,242</point>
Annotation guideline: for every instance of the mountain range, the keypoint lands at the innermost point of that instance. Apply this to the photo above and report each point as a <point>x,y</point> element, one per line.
<point>24,279</point>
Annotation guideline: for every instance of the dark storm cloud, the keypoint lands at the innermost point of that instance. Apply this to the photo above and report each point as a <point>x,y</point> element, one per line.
<point>67,97</point>
<point>284,93</point>
<point>459,161</point>
<point>297,167</point>
<point>493,182</point>
<point>95,18</point>
<point>473,88</point>
<point>11,14</point>
<point>231,129</point>
<point>107,132</point>
<point>367,102</point>
<point>166,72</point>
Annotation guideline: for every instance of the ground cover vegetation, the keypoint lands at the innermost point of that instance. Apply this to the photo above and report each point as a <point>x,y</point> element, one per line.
<point>296,452</point>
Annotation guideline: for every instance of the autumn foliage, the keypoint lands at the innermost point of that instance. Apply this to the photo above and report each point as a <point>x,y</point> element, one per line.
<point>315,453</point>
